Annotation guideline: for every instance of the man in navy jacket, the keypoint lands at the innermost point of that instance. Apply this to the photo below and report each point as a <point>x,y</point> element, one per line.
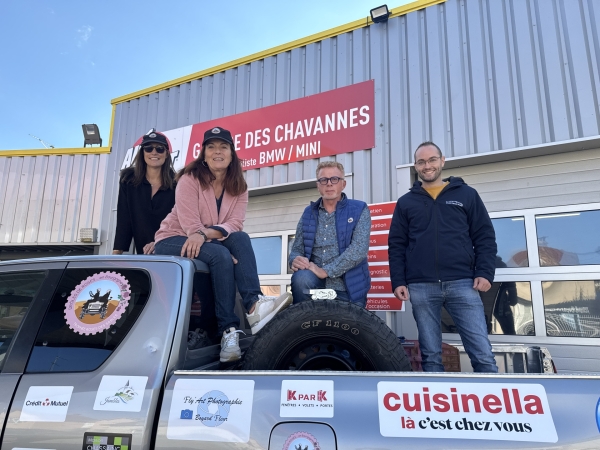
<point>442,249</point>
<point>332,242</point>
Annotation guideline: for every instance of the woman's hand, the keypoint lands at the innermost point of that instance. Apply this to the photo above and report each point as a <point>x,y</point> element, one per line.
<point>191,247</point>
<point>213,234</point>
<point>149,248</point>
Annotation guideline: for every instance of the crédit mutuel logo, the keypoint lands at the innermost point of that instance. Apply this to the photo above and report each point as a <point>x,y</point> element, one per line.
<point>46,402</point>
<point>494,411</point>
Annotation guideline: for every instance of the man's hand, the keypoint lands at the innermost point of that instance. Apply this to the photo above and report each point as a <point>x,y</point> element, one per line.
<point>149,248</point>
<point>191,247</point>
<point>300,263</point>
<point>117,252</point>
<point>401,293</point>
<point>317,270</point>
<point>481,284</point>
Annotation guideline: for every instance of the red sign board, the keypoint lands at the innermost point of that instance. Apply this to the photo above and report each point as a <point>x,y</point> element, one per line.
<point>381,224</point>
<point>381,287</point>
<point>380,303</point>
<point>379,271</point>
<point>382,209</point>
<point>378,240</point>
<point>378,255</point>
<point>337,121</point>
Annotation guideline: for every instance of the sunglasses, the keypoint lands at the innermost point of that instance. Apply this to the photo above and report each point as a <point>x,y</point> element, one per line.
<point>158,148</point>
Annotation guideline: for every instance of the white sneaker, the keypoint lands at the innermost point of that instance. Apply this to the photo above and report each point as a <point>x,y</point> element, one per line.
<point>230,345</point>
<point>266,308</point>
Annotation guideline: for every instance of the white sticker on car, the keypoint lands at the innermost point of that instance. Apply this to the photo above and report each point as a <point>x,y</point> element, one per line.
<point>306,398</point>
<point>46,404</point>
<point>491,411</point>
<point>211,410</point>
<point>120,393</point>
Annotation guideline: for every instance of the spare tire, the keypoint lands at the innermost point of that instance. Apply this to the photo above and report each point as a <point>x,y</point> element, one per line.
<point>326,335</point>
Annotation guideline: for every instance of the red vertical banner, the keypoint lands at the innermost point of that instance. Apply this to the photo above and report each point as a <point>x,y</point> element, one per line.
<point>381,297</point>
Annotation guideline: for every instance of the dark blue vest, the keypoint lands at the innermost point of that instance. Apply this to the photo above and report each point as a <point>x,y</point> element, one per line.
<point>357,279</point>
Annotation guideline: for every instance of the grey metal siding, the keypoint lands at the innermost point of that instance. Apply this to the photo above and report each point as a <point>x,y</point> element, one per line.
<point>474,75</point>
<point>553,180</point>
<point>47,199</point>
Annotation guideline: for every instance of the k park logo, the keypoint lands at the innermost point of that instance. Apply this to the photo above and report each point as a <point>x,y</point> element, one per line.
<point>320,396</point>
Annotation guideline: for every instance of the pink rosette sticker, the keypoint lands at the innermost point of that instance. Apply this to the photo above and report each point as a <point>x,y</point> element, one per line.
<point>301,440</point>
<point>97,303</point>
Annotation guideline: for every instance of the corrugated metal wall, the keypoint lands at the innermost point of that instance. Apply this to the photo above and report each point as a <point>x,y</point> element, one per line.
<point>473,75</point>
<point>47,199</point>
<point>552,180</point>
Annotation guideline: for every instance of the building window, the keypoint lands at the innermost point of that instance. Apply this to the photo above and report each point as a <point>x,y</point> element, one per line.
<point>291,239</point>
<point>511,241</point>
<point>268,254</point>
<point>572,308</point>
<point>507,308</point>
<point>568,239</point>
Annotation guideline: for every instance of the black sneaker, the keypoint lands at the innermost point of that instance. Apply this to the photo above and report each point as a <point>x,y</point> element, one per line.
<point>198,339</point>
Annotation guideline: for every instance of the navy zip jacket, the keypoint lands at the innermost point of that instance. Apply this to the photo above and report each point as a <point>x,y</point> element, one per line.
<point>446,239</point>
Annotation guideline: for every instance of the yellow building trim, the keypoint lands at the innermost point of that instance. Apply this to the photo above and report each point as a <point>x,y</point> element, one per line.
<point>55,151</point>
<point>401,10</point>
<point>112,125</point>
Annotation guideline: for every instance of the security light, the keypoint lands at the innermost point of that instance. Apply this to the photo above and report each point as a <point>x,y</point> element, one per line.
<point>380,14</point>
<point>91,134</point>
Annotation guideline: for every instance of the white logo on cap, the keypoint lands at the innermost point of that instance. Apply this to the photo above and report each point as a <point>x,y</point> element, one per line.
<point>153,135</point>
<point>216,131</point>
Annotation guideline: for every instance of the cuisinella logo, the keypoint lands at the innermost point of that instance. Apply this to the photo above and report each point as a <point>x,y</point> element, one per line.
<point>494,411</point>
<point>511,401</point>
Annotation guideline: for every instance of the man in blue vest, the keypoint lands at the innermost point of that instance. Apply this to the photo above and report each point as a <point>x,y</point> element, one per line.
<point>332,242</point>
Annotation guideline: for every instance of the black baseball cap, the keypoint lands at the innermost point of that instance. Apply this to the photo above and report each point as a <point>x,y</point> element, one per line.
<point>157,137</point>
<point>218,133</point>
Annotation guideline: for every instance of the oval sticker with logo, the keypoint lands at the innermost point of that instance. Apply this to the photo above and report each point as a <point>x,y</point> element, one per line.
<point>301,440</point>
<point>97,303</point>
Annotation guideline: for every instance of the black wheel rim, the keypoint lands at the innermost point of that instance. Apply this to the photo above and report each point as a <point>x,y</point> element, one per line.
<point>324,353</point>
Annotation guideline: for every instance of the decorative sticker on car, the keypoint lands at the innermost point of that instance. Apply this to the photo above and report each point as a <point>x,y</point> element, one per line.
<point>120,393</point>
<point>301,440</point>
<point>108,441</point>
<point>211,410</point>
<point>306,398</point>
<point>46,404</point>
<point>97,303</point>
<point>491,411</point>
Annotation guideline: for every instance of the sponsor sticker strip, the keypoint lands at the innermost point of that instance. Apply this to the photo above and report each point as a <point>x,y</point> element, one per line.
<point>306,398</point>
<point>492,411</point>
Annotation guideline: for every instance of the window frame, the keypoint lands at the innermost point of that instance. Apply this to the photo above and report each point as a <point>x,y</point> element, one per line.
<point>283,278</point>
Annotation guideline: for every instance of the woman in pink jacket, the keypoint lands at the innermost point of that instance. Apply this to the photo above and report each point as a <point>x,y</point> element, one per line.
<point>206,223</point>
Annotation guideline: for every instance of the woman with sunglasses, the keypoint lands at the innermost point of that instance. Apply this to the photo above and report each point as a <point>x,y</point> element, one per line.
<point>206,223</point>
<point>146,195</point>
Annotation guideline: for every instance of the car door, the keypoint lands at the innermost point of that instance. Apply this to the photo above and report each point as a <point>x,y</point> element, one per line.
<point>97,365</point>
<point>25,292</point>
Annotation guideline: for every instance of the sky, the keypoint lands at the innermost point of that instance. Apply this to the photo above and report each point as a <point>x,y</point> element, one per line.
<point>64,61</point>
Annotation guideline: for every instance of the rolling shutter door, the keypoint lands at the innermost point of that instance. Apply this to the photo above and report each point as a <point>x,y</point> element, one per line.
<point>277,212</point>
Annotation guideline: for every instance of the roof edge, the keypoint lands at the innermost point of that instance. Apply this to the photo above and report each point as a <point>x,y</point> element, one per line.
<point>55,151</point>
<point>332,32</point>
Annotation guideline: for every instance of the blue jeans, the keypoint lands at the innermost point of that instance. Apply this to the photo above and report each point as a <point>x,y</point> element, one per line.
<point>466,309</point>
<point>224,274</point>
<point>304,280</point>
